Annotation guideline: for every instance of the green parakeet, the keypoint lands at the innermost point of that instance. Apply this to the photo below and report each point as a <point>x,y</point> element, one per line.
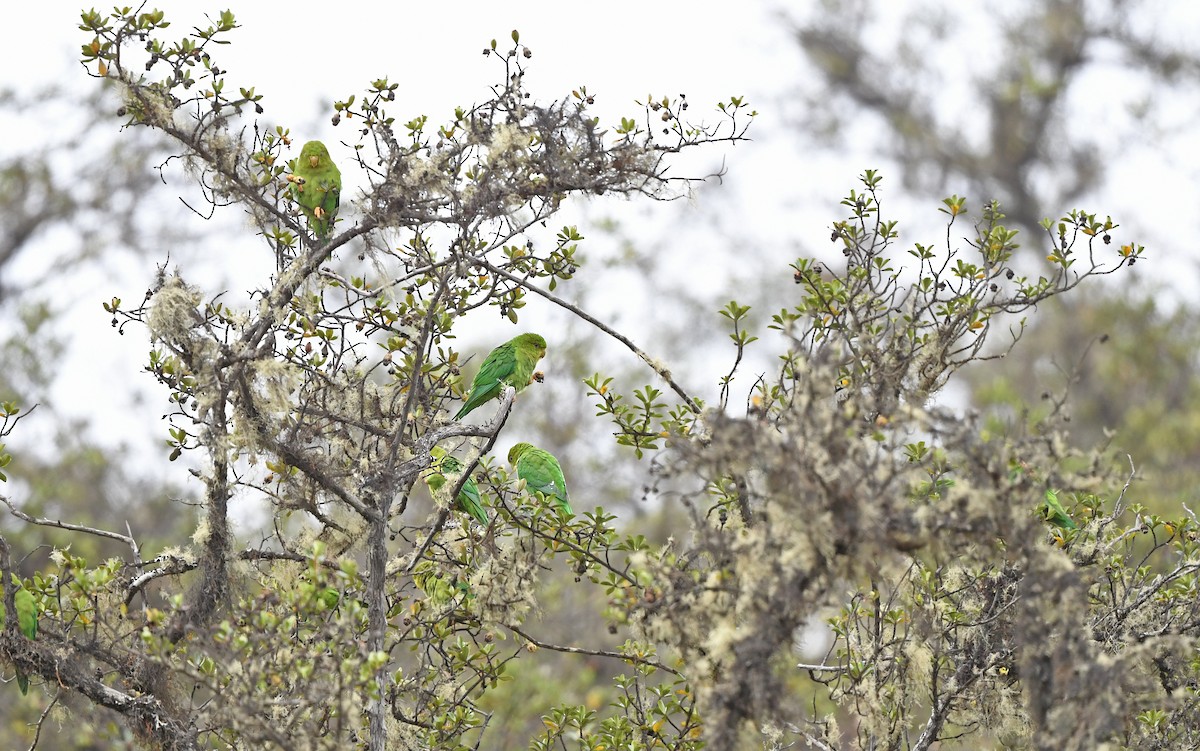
<point>26,621</point>
<point>510,364</point>
<point>541,472</point>
<point>1052,511</point>
<point>468,500</point>
<point>316,185</point>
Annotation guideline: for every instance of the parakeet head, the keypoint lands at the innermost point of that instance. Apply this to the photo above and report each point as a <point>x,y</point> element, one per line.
<point>515,453</point>
<point>314,153</point>
<point>534,341</point>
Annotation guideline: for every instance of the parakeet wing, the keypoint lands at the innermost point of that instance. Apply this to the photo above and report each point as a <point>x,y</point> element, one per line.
<point>541,472</point>
<point>529,348</point>
<point>497,367</point>
<point>468,501</point>
<point>1053,511</point>
<point>26,613</point>
<point>512,363</point>
<point>27,622</point>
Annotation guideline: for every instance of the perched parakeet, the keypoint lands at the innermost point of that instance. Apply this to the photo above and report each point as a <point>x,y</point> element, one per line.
<point>541,472</point>
<point>26,621</point>
<point>1052,511</point>
<point>316,184</point>
<point>468,500</point>
<point>510,364</point>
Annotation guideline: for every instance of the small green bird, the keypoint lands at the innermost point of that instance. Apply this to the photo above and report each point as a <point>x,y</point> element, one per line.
<point>27,621</point>
<point>510,364</point>
<point>316,184</point>
<point>541,472</point>
<point>468,500</point>
<point>1053,512</point>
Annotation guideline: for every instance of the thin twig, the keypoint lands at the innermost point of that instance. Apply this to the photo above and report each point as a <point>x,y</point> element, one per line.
<point>1190,513</point>
<point>492,432</point>
<point>171,565</point>
<point>817,742</point>
<point>137,551</point>
<point>592,652</point>
<point>822,668</point>
<point>37,733</point>
<point>44,522</point>
<point>1118,509</point>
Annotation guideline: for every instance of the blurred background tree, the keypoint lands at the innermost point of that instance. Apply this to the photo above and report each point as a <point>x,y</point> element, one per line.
<point>1026,118</point>
<point>77,199</point>
<point>86,192</point>
<point>1039,105</point>
<point>1018,136</point>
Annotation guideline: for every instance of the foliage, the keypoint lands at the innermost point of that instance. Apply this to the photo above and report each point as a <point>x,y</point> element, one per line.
<point>1117,368</point>
<point>356,621</point>
<point>1025,136</point>
<point>977,584</point>
<point>842,475</point>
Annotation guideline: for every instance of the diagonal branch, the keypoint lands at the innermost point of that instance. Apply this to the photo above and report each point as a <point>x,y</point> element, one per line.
<point>656,365</point>
<point>492,431</point>
<point>45,522</point>
<point>593,652</point>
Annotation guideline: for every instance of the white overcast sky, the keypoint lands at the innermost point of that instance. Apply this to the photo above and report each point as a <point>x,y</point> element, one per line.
<point>620,51</point>
<point>303,55</point>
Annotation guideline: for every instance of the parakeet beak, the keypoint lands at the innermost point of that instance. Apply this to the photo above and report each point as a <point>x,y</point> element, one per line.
<point>314,160</point>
